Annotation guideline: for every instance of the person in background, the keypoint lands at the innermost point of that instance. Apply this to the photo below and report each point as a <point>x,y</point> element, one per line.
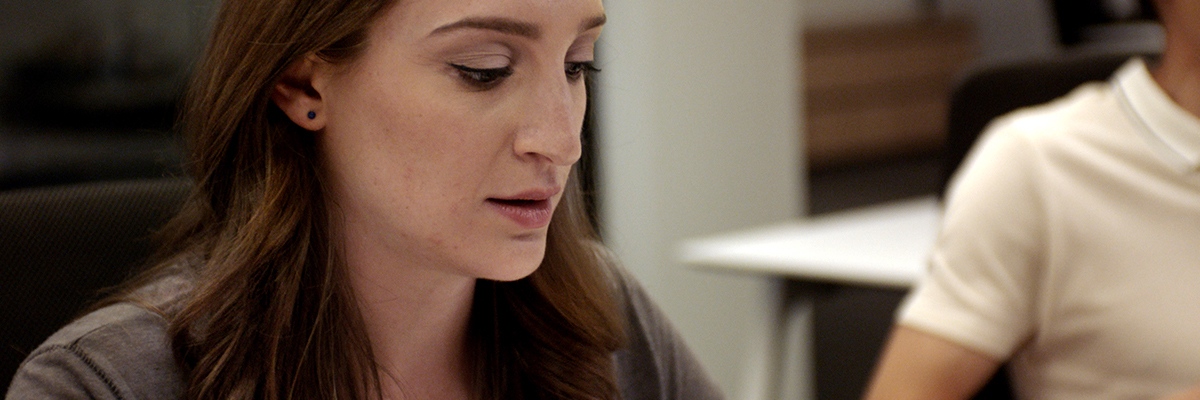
<point>384,208</point>
<point>1070,247</point>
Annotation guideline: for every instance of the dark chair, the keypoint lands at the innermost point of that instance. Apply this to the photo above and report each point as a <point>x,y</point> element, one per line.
<point>60,246</point>
<point>32,157</point>
<point>989,92</point>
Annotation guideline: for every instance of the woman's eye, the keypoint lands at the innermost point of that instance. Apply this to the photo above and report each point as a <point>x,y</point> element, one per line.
<point>483,77</point>
<point>577,70</point>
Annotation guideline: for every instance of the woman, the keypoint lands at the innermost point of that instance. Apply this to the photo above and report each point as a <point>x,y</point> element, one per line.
<point>383,209</point>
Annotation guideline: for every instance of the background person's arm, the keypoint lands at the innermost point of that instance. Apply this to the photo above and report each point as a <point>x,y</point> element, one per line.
<point>919,365</point>
<point>1190,394</point>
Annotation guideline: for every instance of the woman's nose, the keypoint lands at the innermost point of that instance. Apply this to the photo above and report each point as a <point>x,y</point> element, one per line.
<point>552,121</point>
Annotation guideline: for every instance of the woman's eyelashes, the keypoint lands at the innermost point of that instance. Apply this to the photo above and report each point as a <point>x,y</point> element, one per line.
<point>486,78</point>
<point>483,78</point>
<point>578,70</point>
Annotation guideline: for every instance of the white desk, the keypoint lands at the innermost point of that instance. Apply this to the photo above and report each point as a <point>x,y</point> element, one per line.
<point>881,246</point>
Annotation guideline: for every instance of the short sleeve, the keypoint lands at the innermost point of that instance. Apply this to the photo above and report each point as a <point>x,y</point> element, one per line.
<point>117,352</point>
<point>982,278</point>
<point>62,372</point>
<point>656,364</point>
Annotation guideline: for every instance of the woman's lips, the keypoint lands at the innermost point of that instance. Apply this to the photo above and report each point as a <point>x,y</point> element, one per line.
<point>528,214</point>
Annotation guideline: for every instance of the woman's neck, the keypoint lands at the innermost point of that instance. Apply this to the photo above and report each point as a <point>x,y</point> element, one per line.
<point>1178,72</point>
<point>416,320</point>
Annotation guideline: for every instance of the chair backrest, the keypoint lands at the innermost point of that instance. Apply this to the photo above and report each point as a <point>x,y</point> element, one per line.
<point>987,92</point>
<point>60,246</point>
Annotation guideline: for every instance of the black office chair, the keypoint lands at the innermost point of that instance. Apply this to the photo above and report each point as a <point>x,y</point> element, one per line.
<point>60,246</point>
<point>989,92</point>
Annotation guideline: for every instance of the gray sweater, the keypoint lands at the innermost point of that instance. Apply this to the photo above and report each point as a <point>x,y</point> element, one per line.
<point>122,352</point>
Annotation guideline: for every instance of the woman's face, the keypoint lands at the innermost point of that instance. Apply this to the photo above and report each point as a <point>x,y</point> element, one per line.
<point>449,140</point>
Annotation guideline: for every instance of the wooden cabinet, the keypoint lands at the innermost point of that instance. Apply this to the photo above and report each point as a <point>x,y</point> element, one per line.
<point>881,90</point>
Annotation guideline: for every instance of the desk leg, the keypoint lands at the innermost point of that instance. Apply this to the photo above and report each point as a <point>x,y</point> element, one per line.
<point>794,371</point>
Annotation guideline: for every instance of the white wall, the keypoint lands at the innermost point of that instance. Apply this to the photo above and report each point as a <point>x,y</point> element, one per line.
<point>699,133</point>
<point>1015,29</point>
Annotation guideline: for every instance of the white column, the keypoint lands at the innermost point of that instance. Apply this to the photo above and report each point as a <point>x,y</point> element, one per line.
<point>699,117</point>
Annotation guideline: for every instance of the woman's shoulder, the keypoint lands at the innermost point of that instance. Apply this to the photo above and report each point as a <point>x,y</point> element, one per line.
<point>119,351</point>
<point>655,363</point>
<point>1089,110</point>
<point>640,312</point>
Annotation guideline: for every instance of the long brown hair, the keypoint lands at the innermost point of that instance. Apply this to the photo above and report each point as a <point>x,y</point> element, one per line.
<point>272,314</point>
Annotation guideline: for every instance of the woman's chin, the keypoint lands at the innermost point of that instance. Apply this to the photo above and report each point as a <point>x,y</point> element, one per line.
<point>515,267</point>
<point>513,272</point>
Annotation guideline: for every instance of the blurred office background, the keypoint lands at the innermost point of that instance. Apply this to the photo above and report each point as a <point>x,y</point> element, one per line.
<point>721,116</point>
<point>88,88</point>
<point>712,115</point>
<point>878,77</point>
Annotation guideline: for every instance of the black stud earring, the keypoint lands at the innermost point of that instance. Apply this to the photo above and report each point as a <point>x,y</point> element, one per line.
<point>312,115</point>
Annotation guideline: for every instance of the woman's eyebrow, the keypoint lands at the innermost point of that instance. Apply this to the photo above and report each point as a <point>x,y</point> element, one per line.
<point>510,26</point>
<point>502,25</point>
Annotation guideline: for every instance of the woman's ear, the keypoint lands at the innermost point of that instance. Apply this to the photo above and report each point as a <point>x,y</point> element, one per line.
<point>298,92</point>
